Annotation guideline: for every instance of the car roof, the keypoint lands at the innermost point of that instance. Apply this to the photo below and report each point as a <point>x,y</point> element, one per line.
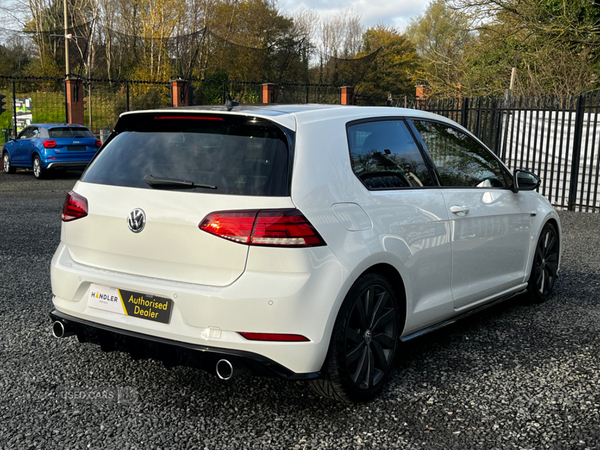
<point>290,115</point>
<point>54,125</point>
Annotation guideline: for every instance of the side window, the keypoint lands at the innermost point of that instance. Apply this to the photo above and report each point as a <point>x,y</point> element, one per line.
<point>460,160</point>
<point>35,133</point>
<point>385,156</point>
<point>25,134</point>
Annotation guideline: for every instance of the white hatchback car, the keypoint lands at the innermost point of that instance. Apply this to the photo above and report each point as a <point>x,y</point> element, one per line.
<point>301,241</point>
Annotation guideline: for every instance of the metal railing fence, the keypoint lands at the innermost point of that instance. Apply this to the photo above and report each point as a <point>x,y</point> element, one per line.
<point>106,99</point>
<point>556,137</point>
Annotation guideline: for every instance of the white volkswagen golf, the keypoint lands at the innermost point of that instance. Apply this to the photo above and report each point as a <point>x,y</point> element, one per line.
<point>298,241</point>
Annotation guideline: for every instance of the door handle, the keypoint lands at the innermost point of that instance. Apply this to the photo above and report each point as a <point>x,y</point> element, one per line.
<point>459,210</point>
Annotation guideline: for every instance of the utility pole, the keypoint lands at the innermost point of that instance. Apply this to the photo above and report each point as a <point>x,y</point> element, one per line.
<point>509,92</point>
<point>67,67</point>
<point>74,95</point>
<point>513,75</point>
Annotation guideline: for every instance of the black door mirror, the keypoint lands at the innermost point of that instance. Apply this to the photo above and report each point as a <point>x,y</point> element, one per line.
<point>526,180</point>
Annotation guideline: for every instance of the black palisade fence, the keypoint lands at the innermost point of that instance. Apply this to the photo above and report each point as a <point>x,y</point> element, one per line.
<point>558,138</point>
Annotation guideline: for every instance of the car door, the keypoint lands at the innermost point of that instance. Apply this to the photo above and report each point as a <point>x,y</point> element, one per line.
<point>490,224</point>
<point>21,147</point>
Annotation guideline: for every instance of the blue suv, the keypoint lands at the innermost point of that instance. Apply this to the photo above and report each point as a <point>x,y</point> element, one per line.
<point>45,146</point>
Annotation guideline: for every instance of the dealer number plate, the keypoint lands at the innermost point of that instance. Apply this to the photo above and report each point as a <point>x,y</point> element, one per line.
<point>128,303</point>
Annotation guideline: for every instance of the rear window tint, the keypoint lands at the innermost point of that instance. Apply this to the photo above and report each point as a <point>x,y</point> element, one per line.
<point>69,132</point>
<point>384,155</point>
<point>235,155</point>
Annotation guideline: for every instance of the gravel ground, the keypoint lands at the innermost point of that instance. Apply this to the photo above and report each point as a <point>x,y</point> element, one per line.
<point>515,376</point>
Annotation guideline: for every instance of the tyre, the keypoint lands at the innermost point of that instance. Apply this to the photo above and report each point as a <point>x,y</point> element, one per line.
<point>545,265</point>
<point>8,168</point>
<point>38,171</point>
<point>363,344</point>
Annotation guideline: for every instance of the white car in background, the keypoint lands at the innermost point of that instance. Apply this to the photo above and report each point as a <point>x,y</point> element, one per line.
<point>298,241</point>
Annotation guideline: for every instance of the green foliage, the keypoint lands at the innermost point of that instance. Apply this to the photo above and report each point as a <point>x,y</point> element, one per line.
<point>141,97</point>
<point>213,92</point>
<point>444,42</point>
<point>394,70</point>
<point>554,44</point>
<point>13,58</point>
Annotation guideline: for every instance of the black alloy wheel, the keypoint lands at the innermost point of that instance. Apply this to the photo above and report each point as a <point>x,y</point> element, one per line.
<point>544,272</point>
<point>363,344</point>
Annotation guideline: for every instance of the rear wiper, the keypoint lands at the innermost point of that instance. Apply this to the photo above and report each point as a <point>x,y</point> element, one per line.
<point>157,182</point>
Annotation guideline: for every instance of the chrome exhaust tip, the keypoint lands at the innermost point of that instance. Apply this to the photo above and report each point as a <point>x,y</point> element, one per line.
<point>224,369</point>
<point>61,330</point>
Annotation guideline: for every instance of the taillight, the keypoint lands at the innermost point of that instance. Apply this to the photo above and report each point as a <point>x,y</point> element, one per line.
<point>76,207</point>
<point>98,143</point>
<point>269,227</point>
<point>273,337</point>
<point>49,144</point>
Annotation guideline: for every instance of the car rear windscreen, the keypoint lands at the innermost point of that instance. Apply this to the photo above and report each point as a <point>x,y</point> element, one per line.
<point>69,132</point>
<point>226,154</point>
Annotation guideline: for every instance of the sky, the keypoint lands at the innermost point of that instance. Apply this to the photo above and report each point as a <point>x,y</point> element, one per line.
<point>388,12</point>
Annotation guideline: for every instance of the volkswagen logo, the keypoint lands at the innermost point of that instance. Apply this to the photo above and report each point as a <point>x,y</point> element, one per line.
<point>136,221</point>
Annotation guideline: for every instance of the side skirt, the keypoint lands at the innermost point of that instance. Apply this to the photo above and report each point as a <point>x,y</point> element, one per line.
<point>458,317</point>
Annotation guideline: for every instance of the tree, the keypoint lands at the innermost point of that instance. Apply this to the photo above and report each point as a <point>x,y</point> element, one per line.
<point>394,70</point>
<point>554,44</point>
<point>13,57</point>
<point>443,41</point>
<point>571,22</point>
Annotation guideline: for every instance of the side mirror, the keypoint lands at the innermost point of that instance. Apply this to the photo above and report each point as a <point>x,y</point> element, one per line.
<point>525,180</point>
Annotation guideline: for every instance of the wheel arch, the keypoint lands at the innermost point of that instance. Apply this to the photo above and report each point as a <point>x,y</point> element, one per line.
<point>550,218</point>
<point>391,274</point>
<point>554,222</point>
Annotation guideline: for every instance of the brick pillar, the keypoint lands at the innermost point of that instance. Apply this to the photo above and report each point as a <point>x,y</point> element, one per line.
<point>422,94</point>
<point>347,95</point>
<point>75,103</point>
<point>180,92</point>
<point>269,92</point>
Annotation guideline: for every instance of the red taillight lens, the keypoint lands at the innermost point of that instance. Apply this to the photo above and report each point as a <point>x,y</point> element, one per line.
<point>98,143</point>
<point>287,228</point>
<point>274,337</point>
<point>277,228</point>
<point>49,144</point>
<point>235,226</point>
<point>76,207</point>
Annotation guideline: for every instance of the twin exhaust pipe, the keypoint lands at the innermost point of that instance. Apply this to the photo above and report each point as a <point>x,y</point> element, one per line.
<point>224,368</point>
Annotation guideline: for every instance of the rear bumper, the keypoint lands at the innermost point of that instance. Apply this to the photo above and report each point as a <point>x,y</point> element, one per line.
<point>173,353</point>
<point>299,298</point>
<point>67,165</point>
